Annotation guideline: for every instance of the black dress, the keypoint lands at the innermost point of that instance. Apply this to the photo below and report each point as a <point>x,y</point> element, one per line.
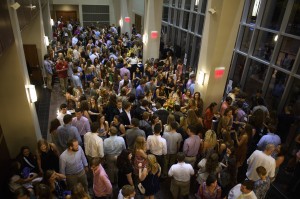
<point>151,184</point>
<point>49,161</point>
<point>122,172</point>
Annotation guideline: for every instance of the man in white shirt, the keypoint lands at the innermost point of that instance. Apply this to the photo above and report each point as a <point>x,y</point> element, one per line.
<point>243,191</point>
<point>76,53</point>
<point>261,158</point>
<point>62,112</point>
<point>74,40</point>
<point>181,175</point>
<point>157,145</point>
<point>93,144</point>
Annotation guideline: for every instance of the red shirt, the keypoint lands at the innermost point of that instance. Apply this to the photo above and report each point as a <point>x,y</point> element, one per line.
<point>62,69</point>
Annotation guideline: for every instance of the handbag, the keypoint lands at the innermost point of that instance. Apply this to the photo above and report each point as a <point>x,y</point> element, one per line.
<point>141,188</point>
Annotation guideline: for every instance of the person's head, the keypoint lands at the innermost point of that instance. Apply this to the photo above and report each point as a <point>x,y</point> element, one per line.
<point>269,149</point>
<point>230,150</point>
<point>119,104</point>
<point>211,180</point>
<point>113,131</point>
<point>212,106</point>
<point>180,156</point>
<point>152,163</point>
<point>228,111</point>
<point>102,118</point>
<point>46,57</point>
<point>117,119</point>
<point>260,101</point>
<point>135,122</point>
<point>146,116</point>
<point>140,143</point>
<point>247,186</point>
<point>127,106</point>
<point>54,124</point>
<point>78,191</point>
<point>158,105</point>
<point>25,151</point>
<point>73,145</point>
<point>49,176</point>
<point>258,92</point>
<point>212,162</point>
<point>94,127</point>
<point>128,191</point>
<point>42,146</point>
<point>124,158</point>
<point>192,129</point>
<point>211,137</point>
<point>63,108</point>
<point>157,128</point>
<point>95,164</point>
<point>171,118</point>
<point>261,171</point>
<point>197,95</point>
<point>78,113</point>
<point>145,103</point>
<point>272,128</point>
<point>22,193</point>
<point>174,125</point>
<point>43,192</point>
<point>67,119</point>
<point>228,100</point>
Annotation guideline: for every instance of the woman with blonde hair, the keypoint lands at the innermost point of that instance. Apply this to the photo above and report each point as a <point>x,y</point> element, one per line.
<point>139,153</point>
<point>170,119</point>
<point>209,143</point>
<point>149,177</point>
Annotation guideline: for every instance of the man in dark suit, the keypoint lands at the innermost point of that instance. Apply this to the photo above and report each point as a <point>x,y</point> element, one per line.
<point>138,112</point>
<point>161,113</point>
<point>126,115</point>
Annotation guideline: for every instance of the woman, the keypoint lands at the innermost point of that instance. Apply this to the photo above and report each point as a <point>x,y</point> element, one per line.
<point>84,106</point>
<point>199,104</point>
<point>170,86</point>
<point>225,125</point>
<point>176,95</point>
<point>149,177</point>
<point>192,118</point>
<point>209,115</point>
<point>97,68</point>
<point>47,156</point>
<point>137,76</point>
<point>56,183</point>
<point>103,126</point>
<point>155,120</point>
<point>117,123</point>
<point>242,143</point>
<point>207,166</point>
<point>28,161</point>
<point>209,143</point>
<point>125,169</point>
<point>93,109</point>
<point>54,124</point>
<point>185,98</point>
<point>139,153</point>
<point>170,119</point>
<point>279,156</point>
<point>160,94</point>
<point>210,188</point>
<point>78,192</point>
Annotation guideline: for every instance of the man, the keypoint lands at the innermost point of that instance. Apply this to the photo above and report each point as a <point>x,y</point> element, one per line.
<point>124,71</point>
<point>269,138</point>
<point>62,73</point>
<point>48,69</point>
<point>119,105</point>
<point>191,145</point>
<point>126,115</point>
<point>93,144</point>
<point>121,83</point>
<point>140,89</point>
<point>261,158</point>
<point>138,112</point>
<point>177,113</point>
<point>145,125</point>
<point>161,113</point>
<point>74,40</point>
<point>150,86</point>
<point>225,105</point>
<point>94,54</point>
<point>62,112</point>
<point>157,145</point>
<point>81,123</point>
<point>133,133</point>
<point>181,175</point>
<point>73,164</point>
<point>173,140</point>
<point>76,80</point>
<point>67,132</point>
<point>113,147</point>
<point>243,191</point>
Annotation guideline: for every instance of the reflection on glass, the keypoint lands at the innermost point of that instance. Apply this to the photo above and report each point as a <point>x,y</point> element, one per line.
<point>294,97</point>
<point>247,35</point>
<point>273,14</point>
<point>166,2</point>
<point>187,4</point>
<point>165,14</point>
<point>197,51</point>
<point>185,22</point>
<point>179,3</point>
<point>183,42</point>
<point>253,11</point>
<point>255,77</point>
<point>275,90</point>
<point>294,20</point>
<point>196,6</point>
<point>189,50</point>
<point>288,52</point>
<point>178,17</point>
<point>264,45</point>
<point>193,22</point>
<point>238,70</point>
<point>203,8</point>
<point>172,15</point>
<point>201,23</point>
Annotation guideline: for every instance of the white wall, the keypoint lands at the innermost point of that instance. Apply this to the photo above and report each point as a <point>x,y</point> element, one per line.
<point>138,7</point>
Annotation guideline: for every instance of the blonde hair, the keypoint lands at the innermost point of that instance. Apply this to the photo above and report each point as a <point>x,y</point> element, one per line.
<point>139,143</point>
<point>153,166</point>
<point>211,137</point>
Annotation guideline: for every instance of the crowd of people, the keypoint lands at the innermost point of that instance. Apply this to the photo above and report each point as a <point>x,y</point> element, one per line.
<point>133,125</point>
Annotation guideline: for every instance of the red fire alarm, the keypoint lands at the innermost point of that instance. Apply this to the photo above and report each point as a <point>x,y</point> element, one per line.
<point>219,72</point>
<point>154,34</point>
<point>127,19</point>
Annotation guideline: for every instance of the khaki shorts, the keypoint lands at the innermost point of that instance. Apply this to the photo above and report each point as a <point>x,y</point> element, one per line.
<point>178,188</point>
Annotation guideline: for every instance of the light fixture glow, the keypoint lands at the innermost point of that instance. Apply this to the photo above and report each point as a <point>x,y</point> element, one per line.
<point>46,40</point>
<point>31,93</point>
<point>201,78</point>
<point>255,8</point>
<point>121,22</point>
<point>145,38</point>
<point>276,38</point>
<point>51,22</point>
<point>196,2</point>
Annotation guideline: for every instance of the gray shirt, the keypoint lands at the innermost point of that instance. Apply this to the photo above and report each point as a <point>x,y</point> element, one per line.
<point>65,133</point>
<point>173,141</point>
<point>132,134</point>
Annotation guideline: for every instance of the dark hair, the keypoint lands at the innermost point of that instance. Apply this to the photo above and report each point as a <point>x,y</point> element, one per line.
<point>67,118</point>
<point>127,105</point>
<point>21,192</point>
<point>63,106</point>
<point>54,124</point>
<point>228,99</point>
<point>211,178</point>
<point>249,184</point>
<point>180,156</point>
<point>212,105</point>
<point>46,56</point>
<point>177,107</point>
<point>71,141</point>
<point>193,128</point>
<point>122,159</point>
<point>113,131</point>
<point>94,127</point>
<point>43,191</point>
<point>145,102</point>
<point>227,111</point>
<point>135,122</point>
<point>212,163</point>
<point>157,128</point>
<point>77,110</point>
<point>260,101</point>
<point>174,125</point>
<point>95,161</point>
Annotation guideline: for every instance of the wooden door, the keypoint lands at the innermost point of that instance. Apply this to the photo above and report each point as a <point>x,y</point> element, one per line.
<point>32,61</point>
<point>66,15</point>
<point>138,23</point>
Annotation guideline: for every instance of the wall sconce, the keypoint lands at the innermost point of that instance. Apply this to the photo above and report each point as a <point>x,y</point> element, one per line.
<point>121,22</point>
<point>46,40</point>
<point>154,34</point>
<point>31,92</point>
<point>127,19</point>
<point>276,38</point>
<point>145,38</point>
<point>201,78</point>
<point>51,22</point>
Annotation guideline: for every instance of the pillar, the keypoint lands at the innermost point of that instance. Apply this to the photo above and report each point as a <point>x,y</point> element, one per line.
<point>218,40</point>
<point>18,116</point>
<point>152,22</point>
<point>46,21</point>
<point>125,26</point>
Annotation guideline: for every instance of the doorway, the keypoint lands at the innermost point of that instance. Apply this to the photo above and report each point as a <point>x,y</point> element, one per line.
<point>66,15</point>
<point>32,62</point>
<point>138,23</point>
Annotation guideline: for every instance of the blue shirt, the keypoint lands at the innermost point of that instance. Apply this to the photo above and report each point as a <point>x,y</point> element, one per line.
<point>48,66</point>
<point>270,138</point>
<point>71,162</point>
<point>139,91</point>
<point>114,145</point>
<point>65,133</point>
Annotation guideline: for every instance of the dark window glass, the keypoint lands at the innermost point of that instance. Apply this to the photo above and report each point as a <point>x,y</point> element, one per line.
<point>293,26</point>
<point>265,45</point>
<point>247,35</point>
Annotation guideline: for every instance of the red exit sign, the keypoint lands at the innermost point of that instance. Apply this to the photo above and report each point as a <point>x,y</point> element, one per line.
<point>219,72</point>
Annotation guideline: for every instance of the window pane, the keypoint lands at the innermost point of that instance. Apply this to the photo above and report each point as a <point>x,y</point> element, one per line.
<point>197,51</point>
<point>201,23</point>
<point>293,26</point>
<point>196,6</point>
<point>203,8</point>
<point>294,97</point>
<point>273,14</point>
<point>179,3</point>
<point>173,3</point>
<point>238,70</point>
<point>253,11</point>
<point>247,35</point>
<point>187,5</point>
<point>189,50</point>
<point>172,15</point>
<point>178,17</point>
<point>165,14</point>
<point>255,76</point>
<point>275,89</point>
<point>166,2</point>
<point>193,25</point>
<point>288,52</point>
<point>182,43</point>
<point>264,45</point>
<point>185,22</point>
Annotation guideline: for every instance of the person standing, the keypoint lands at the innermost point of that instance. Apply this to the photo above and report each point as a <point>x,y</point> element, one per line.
<point>181,175</point>
<point>62,73</point>
<point>191,145</point>
<point>81,123</point>
<point>244,190</point>
<point>73,164</point>
<point>48,69</point>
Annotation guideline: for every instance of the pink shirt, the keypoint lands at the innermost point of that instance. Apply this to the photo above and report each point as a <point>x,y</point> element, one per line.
<point>101,186</point>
